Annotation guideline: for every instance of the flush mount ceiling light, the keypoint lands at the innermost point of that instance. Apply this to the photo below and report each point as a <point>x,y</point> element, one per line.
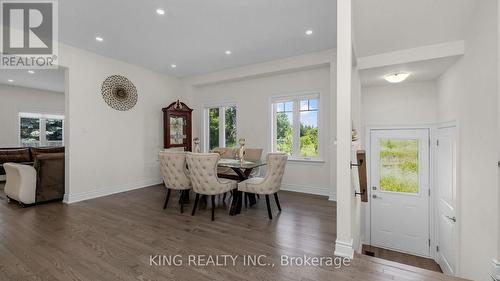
<point>160,12</point>
<point>228,52</point>
<point>173,65</point>
<point>31,72</point>
<point>309,32</point>
<point>10,80</point>
<point>397,77</point>
<point>99,39</point>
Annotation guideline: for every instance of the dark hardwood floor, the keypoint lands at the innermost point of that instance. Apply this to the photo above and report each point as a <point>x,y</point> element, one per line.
<point>113,237</point>
<point>385,254</point>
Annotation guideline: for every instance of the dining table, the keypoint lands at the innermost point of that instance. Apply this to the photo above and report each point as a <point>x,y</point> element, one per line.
<point>243,169</point>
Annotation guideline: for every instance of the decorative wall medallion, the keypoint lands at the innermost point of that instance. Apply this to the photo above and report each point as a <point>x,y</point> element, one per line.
<point>119,93</point>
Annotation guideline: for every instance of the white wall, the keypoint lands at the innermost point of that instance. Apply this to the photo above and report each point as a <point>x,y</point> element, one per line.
<point>111,151</point>
<point>15,99</point>
<point>468,92</point>
<point>252,97</point>
<point>400,104</point>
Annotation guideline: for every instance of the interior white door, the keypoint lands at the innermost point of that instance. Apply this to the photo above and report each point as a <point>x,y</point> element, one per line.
<point>446,199</point>
<point>399,172</point>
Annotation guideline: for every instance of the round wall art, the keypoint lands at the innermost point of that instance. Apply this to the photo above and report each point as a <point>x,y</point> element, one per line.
<point>119,93</point>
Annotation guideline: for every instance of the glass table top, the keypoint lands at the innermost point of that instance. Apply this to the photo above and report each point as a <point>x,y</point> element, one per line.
<point>234,163</point>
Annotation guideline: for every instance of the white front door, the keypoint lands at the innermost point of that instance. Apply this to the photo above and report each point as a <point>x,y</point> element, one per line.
<point>446,199</point>
<point>399,172</point>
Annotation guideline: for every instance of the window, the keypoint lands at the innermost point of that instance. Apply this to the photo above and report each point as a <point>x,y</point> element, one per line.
<point>220,126</point>
<point>399,165</point>
<point>296,126</point>
<point>41,129</point>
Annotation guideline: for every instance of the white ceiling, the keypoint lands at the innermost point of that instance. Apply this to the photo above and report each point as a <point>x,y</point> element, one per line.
<point>388,25</point>
<point>194,34</point>
<point>46,79</point>
<point>427,70</point>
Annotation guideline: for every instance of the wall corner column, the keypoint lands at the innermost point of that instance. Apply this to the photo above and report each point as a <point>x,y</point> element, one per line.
<point>344,242</point>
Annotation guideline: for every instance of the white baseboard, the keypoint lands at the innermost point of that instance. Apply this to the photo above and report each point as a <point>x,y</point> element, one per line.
<point>495,270</point>
<point>316,190</point>
<point>105,191</point>
<point>344,249</point>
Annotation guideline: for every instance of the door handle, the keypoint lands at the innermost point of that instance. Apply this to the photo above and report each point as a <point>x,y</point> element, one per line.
<point>453,219</point>
<point>374,196</point>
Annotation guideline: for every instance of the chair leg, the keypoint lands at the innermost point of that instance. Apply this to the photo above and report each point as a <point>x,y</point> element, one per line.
<point>269,213</point>
<point>213,207</point>
<point>166,200</point>
<point>258,196</point>
<point>181,201</point>
<point>196,199</point>
<point>224,197</point>
<point>245,196</point>
<point>277,201</point>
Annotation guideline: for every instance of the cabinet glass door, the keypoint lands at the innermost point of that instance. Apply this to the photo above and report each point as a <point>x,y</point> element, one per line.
<point>177,125</point>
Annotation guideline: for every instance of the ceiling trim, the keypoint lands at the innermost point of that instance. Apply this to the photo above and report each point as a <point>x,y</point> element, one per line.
<point>302,62</point>
<point>449,49</point>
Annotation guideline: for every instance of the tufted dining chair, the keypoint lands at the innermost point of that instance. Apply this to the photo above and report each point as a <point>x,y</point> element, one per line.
<point>271,183</point>
<point>174,173</point>
<point>253,154</point>
<point>203,174</point>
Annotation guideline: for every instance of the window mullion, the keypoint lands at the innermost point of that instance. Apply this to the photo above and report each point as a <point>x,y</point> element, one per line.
<point>206,129</point>
<point>296,128</point>
<point>275,129</point>
<point>222,127</point>
<point>43,136</point>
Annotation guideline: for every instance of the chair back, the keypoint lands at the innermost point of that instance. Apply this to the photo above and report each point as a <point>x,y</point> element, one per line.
<point>203,173</point>
<point>225,152</point>
<point>276,163</point>
<point>253,154</point>
<point>173,169</point>
<point>174,149</point>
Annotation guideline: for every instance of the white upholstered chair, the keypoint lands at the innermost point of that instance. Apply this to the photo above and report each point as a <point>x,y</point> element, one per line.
<point>203,174</point>
<point>271,183</point>
<point>21,183</point>
<point>253,154</point>
<point>174,173</point>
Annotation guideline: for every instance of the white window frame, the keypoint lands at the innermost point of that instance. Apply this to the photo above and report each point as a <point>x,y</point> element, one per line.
<point>42,119</point>
<point>222,120</point>
<point>296,125</point>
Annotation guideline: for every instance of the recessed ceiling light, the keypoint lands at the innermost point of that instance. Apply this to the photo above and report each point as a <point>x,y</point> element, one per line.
<point>99,39</point>
<point>397,77</point>
<point>173,65</point>
<point>31,72</point>
<point>160,12</point>
<point>309,32</point>
<point>228,52</point>
<point>10,80</point>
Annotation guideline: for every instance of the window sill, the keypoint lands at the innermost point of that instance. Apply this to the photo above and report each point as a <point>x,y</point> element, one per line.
<point>305,160</point>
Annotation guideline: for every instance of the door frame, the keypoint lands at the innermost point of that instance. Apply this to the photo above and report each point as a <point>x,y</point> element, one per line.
<point>432,213</point>
<point>458,209</point>
<point>432,185</point>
